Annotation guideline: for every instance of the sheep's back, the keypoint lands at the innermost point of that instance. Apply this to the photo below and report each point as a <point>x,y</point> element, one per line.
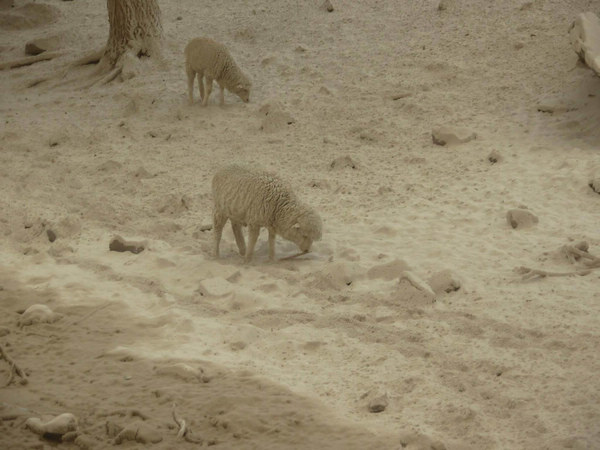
<point>205,54</point>
<point>248,196</point>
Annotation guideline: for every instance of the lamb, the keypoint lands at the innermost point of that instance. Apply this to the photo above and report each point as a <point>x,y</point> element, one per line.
<point>212,61</point>
<point>257,198</point>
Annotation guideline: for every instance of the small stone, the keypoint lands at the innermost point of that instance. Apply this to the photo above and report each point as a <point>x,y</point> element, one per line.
<point>595,185</point>
<point>555,106</point>
<point>181,371</point>
<point>327,6</point>
<point>38,314</point>
<point>4,331</point>
<point>378,404</point>
<point>521,218</point>
<point>215,287</point>
<point>57,426</point>
<point>444,281</point>
<point>37,46</point>
<point>141,432</point>
<point>494,157</point>
<point>6,4</point>
<point>452,135</point>
<point>343,162</point>
<point>51,235</point>
<point>118,244</point>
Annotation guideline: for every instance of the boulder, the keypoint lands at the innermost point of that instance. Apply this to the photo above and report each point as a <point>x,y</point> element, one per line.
<point>585,39</point>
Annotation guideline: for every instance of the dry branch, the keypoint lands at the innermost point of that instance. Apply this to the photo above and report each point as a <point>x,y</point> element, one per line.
<point>14,368</point>
<point>574,253</point>
<point>184,432</point>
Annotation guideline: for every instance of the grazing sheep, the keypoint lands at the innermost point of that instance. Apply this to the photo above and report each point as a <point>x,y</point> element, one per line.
<point>212,61</point>
<point>256,198</point>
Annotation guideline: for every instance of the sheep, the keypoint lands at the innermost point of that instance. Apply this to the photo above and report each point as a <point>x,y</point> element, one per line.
<point>212,61</point>
<point>257,198</point>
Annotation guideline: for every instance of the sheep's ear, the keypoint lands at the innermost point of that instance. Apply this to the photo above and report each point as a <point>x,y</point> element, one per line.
<point>296,226</point>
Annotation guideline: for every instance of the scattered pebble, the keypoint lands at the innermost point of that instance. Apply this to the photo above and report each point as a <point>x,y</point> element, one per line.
<point>275,117</point>
<point>521,218</point>
<point>447,135</point>
<point>327,6</point>
<point>595,185</point>
<point>378,404</point>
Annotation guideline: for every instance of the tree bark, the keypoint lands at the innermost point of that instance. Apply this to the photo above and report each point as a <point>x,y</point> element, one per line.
<point>135,26</point>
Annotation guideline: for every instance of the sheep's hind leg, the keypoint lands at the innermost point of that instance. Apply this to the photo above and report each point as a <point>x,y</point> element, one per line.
<point>190,76</point>
<point>201,85</point>
<point>218,224</point>
<point>222,95</point>
<point>239,237</point>
<point>271,244</point>
<point>208,89</point>
<point>253,232</point>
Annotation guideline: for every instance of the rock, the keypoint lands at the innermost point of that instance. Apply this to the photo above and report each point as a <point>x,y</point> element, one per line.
<point>37,46</point>
<point>215,287</point>
<point>55,427</point>
<point>139,431</point>
<point>494,157</point>
<point>388,271</point>
<point>181,371</point>
<point>51,235</point>
<point>378,404</point>
<point>343,162</point>
<point>555,105</point>
<point>415,441</point>
<point>85,441</point>
<point>452,135</point>
<point>275,117</point>
<point>521,218</point>
<point>444,281</point>
<point>327,6</point>
<point>4,331</point>
<point>6,4</point>
<point>595,185</point>
<point>414,291</point>
<point>38,314</point>
<point>118,244</point>
<point>584,35</point>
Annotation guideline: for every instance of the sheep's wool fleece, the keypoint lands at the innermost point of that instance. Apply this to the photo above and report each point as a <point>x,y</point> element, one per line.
<point>213,58</point>
<point>252,196</point>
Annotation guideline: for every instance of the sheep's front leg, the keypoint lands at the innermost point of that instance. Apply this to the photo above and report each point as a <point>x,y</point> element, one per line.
<point>271,244</point>
<point>190,76</point>
<point>201,85</point>
<point>253,232</point>
<point>208,89</point>
<point>239,237</point>
<point>218,224</point>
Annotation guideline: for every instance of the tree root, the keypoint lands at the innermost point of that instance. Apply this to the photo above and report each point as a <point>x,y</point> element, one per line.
<point>45,56</point>
<point>574,253</point>
<point>14,368</point>
<point>184,432</point>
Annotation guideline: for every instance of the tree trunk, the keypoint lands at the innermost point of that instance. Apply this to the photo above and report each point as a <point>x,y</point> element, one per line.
<point>135,26</point>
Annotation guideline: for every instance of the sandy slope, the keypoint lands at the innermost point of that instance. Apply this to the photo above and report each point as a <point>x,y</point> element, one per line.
<point>293,352</point>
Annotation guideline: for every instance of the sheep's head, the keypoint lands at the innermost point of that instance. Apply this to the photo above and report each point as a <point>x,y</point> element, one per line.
<point>242,88</point>
<point>304,230</point>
